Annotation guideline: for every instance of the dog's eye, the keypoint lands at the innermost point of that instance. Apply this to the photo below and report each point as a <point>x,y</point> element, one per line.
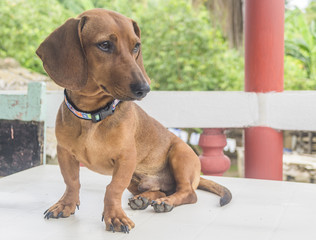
<point>106,46</point>
<point>136,48</point>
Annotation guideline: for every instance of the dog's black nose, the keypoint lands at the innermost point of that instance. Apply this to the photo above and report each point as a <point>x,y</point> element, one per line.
<point>140,90</point>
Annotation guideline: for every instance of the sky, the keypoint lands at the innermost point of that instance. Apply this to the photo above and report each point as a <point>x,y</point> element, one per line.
<point>299,3</point>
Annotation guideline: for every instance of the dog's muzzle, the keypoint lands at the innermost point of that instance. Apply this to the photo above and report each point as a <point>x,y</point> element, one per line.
<point>140,90</point>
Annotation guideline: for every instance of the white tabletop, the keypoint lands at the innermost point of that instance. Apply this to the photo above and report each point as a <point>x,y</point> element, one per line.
<point>259,210</point>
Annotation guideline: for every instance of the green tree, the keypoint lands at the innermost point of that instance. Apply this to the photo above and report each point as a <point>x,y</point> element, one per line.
<point>300,45</point>
<point>24,24</point>
<point>182,50</point>
<point>228,14</point>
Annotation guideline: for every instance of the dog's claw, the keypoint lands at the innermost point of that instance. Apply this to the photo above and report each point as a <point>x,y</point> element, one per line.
<point>102,218</point>
<point>124,229</point>
<point>48,215</point>
<point>59,210</point>
<point>112,228</point>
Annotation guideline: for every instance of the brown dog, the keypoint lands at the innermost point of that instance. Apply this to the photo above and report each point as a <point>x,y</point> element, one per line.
<point>97,58</point>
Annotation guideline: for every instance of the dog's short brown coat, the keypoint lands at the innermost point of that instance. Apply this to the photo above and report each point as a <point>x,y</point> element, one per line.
<point>97,58</point>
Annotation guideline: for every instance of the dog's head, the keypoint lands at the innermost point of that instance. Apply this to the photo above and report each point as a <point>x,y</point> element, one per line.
<point>100,46</point>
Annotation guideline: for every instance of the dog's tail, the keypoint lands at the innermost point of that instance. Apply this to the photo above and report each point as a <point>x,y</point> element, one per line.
<point>213,187</point>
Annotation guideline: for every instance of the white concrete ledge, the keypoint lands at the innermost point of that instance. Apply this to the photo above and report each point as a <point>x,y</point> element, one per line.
<point>293,110</point>
<point>259,210</point>
<point>290,110</point>
<point>202,109</point>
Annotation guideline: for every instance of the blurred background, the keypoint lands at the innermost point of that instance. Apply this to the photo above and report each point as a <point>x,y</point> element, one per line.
<point>188,44</point>
<point>192,45</point>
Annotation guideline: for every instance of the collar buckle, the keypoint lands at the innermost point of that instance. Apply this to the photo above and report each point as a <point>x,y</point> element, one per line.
<point>102,114</point>
<point>96,118</point>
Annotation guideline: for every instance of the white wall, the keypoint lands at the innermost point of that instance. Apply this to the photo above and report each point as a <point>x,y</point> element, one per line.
<point>292,110</point>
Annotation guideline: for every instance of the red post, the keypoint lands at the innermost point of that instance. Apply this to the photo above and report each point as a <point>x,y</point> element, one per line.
<point>264,59</point>
<point>213,160</point>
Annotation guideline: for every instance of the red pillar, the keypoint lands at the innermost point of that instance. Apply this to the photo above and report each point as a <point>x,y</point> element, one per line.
<point>213,161</point>
<point>264,57</point>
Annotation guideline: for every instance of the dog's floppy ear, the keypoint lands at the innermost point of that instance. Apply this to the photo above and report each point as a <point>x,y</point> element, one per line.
<point>63,57</point>
<point>139,58</point>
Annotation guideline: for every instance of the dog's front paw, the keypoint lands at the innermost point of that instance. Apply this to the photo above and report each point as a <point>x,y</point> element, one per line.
<point>61,210</point>
<point>138,203</point>
<point>117,221</point>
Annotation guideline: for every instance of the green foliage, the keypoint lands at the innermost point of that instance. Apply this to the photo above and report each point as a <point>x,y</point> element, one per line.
<point>181,48</point>
<point>24,24</point>
<point>300,50</point>
<point>310,11</point>
<point>126,7</point>
<point>184,52</point>
<point>77,6</point>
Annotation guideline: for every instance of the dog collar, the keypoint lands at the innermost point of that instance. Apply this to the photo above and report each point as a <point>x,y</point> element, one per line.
<point>95,116</point>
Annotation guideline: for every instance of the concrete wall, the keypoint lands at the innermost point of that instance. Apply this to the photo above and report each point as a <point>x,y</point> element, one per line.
<point>289,110</point>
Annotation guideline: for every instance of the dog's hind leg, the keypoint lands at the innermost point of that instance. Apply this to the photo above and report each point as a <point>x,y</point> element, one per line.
<point>69,167</point>
<point>185,166</point>
<point>143,200</point>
